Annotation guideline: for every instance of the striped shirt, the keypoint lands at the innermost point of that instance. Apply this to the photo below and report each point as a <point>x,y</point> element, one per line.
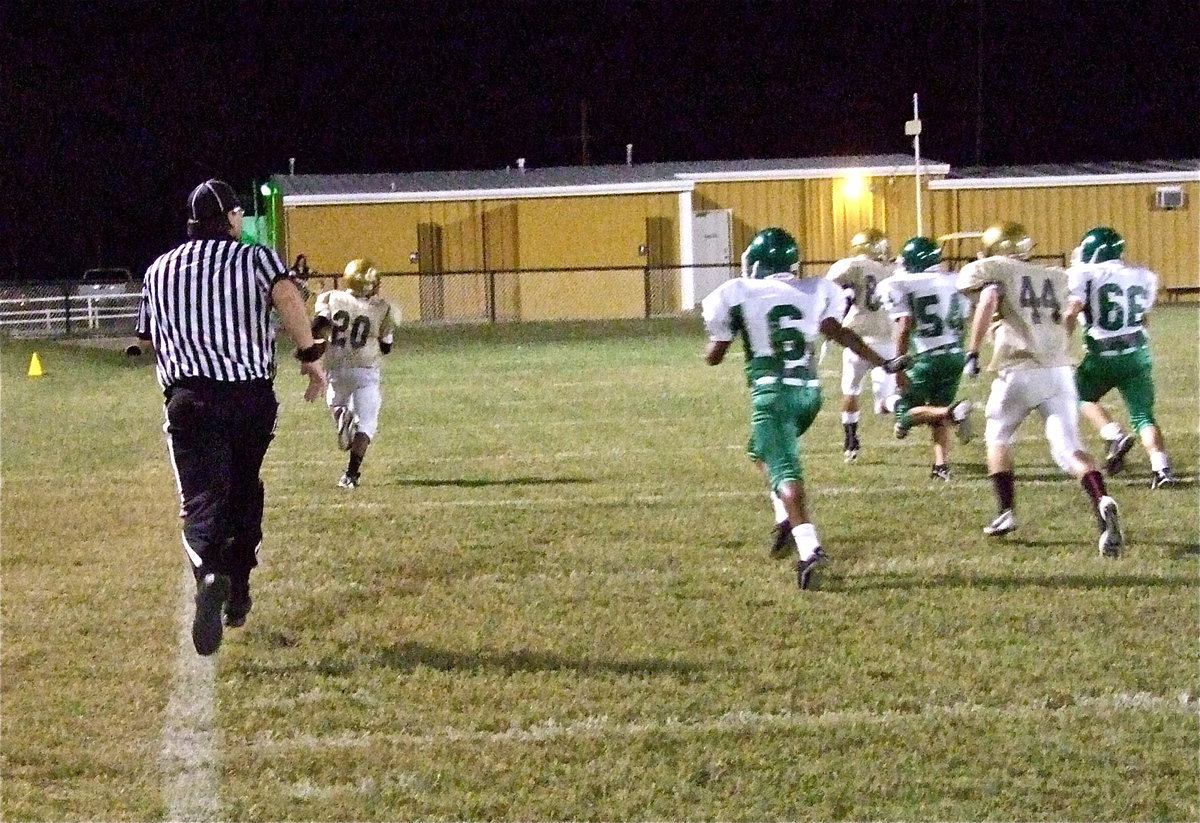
<point>206,305</point>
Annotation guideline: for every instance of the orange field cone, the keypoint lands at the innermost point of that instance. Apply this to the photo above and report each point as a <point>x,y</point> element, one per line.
<point>35,366</point>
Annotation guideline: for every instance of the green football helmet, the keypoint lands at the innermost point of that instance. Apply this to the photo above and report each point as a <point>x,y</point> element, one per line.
<point>772,251</point>
<point>872,243</point>
<point>1101,244</point>
<point>1006,239</point>
<point>919,253</point>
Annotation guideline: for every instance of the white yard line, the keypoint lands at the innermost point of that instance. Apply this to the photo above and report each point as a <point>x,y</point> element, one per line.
<point>191,737</point>
<point>604,727</point>
<point>304,499</point>
<point>281,465</point>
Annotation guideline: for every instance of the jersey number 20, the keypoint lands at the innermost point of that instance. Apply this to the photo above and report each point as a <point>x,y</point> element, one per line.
<point>359,329</point>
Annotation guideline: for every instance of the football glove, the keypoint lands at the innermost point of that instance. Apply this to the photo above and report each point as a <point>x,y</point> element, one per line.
<point>897,364</point>
<point>971,367</point>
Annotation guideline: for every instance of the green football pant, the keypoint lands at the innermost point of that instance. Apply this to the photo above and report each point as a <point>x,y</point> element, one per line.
<point>779,415</point>
<point>1131,374</point>
<point>932,381</point>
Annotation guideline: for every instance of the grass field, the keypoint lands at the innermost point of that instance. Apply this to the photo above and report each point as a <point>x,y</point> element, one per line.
<point>551,600</point>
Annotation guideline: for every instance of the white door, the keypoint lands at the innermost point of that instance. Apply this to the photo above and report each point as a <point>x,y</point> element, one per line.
<point>712,254</point>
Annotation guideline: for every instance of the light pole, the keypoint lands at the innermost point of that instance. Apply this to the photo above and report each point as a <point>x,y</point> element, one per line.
<point>912,128</point>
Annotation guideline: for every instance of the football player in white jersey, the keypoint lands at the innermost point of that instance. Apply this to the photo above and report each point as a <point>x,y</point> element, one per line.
<point>779,318</point>
<point>359,325</point>
<point>1031,358</point>
<point>1114,299</point>
<point>859,277</point>
<point>929,313</point>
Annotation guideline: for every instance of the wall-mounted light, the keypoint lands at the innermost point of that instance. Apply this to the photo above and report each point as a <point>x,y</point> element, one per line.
<point>854,187</point>
<point>413,257</point>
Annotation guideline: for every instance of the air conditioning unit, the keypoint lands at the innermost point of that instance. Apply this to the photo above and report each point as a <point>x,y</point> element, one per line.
<point>1169,198</point>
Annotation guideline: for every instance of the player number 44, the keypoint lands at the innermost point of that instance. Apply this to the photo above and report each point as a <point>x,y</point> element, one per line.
<point>1047,300</point>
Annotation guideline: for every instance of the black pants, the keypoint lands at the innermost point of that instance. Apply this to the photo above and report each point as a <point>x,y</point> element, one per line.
<point>218,434</point>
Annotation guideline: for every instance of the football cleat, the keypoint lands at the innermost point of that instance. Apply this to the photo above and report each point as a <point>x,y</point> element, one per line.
<point>1163,478</point>
<point>940,473</point>
<point>1004,523</point>
<point>1114,461</point>
<point>900,430</point>
<point>1111,539</point>
<point>784,545</point>
<point>348,481</point>
<point>212,591</point>
<point>805,569</point>
<point>960,413</point>
<point>850,453</point>
<point>346,426</point>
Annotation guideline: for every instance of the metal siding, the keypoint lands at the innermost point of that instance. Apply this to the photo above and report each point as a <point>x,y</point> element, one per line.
<point>1167,242</point>
<point>500,254</point>
<point>333,235</point>
<point>819,221</point>
<point>851,214</point>
<point>607,230</point>
<point>582,232</point>
<point>900,210</point>
<point>756,205</point>
<point>817,211</point>
<point>662,216</point>
<point>463,296</point>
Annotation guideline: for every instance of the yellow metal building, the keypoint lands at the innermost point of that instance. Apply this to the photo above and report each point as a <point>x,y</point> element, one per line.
<point>650,239</point>
<point>476,245</point>
<point>1153,205</point>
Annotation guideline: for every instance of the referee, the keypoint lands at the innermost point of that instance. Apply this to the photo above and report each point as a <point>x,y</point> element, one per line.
<point>207,309</point>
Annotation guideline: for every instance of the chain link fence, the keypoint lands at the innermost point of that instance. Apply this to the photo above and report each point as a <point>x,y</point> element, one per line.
<point>107,307</point>
<point>74,308</point>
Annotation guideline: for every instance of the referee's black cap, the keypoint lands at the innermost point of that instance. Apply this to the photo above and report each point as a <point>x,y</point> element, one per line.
<point>212,198</point>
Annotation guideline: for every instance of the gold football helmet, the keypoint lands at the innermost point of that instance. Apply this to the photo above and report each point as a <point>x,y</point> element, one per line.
<point>872,243</point>
<point>1006,239</point>
<point>362,278</point>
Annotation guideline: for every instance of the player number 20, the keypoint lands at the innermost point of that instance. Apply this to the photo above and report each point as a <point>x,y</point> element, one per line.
<point>355,331</point>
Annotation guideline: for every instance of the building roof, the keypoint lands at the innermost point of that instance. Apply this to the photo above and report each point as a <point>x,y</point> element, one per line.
<point>560,181</point>
<point>316,189</point>
<point>1070,174</point>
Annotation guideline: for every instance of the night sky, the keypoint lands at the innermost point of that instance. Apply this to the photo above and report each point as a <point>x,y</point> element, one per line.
<point>114,111</point>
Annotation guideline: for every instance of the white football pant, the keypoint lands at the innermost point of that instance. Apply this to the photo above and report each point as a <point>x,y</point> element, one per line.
<point>358,389</point>
<point>854,372</point>
<point>1051,392</point>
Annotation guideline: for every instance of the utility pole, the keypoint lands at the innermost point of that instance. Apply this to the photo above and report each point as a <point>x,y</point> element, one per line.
<point>979,86</point>
<point>585,155</point>
<point>912,128</point>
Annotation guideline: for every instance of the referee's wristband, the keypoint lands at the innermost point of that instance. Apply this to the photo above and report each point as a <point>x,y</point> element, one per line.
<point>312,353</point>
